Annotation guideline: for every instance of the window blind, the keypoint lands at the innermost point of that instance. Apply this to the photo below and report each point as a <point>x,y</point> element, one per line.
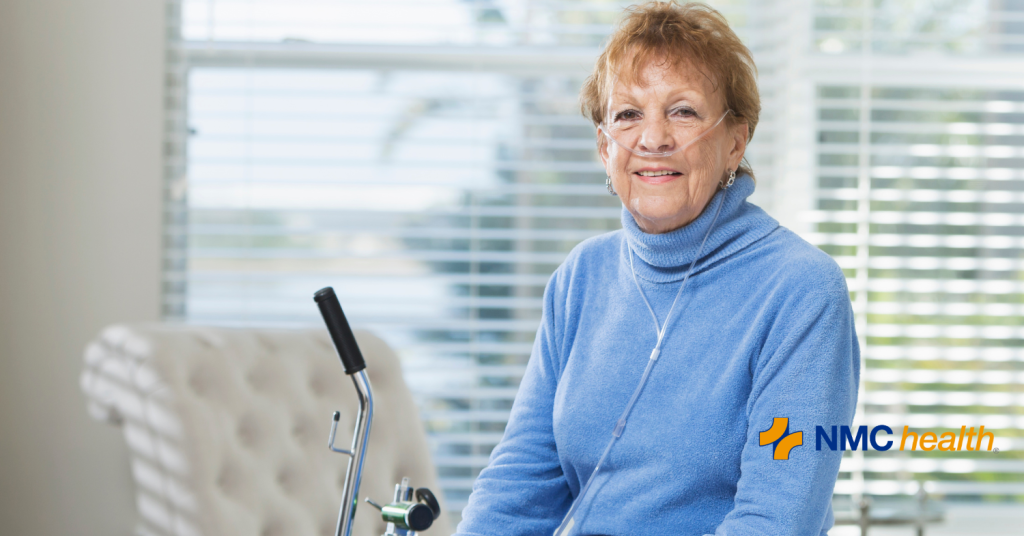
<point>920,200</point>
<point>427,159</point>
<point>436,204</point>
<point>918,176</point>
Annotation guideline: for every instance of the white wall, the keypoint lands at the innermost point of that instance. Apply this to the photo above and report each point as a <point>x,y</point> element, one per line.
<point>80,135</point>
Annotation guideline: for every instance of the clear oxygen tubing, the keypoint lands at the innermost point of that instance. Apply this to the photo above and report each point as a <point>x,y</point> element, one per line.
<point>569,521</point>
<point>652,154</point>
<point>608,126</point>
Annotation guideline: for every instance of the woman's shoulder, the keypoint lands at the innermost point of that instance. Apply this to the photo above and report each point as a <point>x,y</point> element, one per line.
<point>591,260</point>
<point>789,260</point>
<point>596,250</point>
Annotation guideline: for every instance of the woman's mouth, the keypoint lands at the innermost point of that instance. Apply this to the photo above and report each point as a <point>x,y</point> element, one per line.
<point>657,176</point>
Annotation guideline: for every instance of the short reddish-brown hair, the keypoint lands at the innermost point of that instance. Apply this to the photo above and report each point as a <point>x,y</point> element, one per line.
<point>691,33</point>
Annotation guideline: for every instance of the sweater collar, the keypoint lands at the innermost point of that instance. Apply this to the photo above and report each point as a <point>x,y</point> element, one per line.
<point>665,257</point>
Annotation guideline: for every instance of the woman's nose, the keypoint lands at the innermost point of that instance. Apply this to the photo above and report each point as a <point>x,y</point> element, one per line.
<point>656,137</point>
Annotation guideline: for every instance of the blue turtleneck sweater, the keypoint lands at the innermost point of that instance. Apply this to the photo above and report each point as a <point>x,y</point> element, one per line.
<point>763,329</point>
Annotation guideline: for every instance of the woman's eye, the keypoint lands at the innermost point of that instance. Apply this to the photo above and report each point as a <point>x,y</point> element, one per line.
<point>627,115</point>
<point>684,112</point>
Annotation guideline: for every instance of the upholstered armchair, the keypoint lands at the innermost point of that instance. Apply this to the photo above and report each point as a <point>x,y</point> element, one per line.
<point>227,428</point>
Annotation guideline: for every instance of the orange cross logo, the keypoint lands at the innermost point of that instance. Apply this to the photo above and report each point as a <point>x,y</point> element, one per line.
<point>779,436</point>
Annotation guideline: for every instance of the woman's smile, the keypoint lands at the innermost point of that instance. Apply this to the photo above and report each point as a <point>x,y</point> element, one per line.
<point>656,175</point>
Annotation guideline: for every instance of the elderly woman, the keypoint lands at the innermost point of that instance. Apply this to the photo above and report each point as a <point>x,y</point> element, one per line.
<point>682,363</point>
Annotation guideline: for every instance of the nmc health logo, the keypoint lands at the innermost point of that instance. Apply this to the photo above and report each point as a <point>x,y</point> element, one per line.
<point>846,438</point>
<point>780,439</point>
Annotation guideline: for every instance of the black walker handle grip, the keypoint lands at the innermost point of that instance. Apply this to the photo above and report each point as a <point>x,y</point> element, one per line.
<point>340,331</point>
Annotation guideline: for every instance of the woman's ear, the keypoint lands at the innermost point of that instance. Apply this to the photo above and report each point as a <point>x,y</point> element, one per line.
<point>740,133</point>
<point>602,151</point>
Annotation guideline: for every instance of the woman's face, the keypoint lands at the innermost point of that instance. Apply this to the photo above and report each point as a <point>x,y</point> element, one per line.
<point>673,105</point>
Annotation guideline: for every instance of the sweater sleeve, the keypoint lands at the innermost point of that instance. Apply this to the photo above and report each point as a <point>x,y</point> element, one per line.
<point>523,491</point>
<point>808,372</point>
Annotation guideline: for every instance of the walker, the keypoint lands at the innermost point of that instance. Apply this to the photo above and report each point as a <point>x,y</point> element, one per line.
<point>404,515</point>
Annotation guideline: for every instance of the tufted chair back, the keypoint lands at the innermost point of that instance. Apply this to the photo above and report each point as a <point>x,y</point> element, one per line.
<point>227,428</point>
